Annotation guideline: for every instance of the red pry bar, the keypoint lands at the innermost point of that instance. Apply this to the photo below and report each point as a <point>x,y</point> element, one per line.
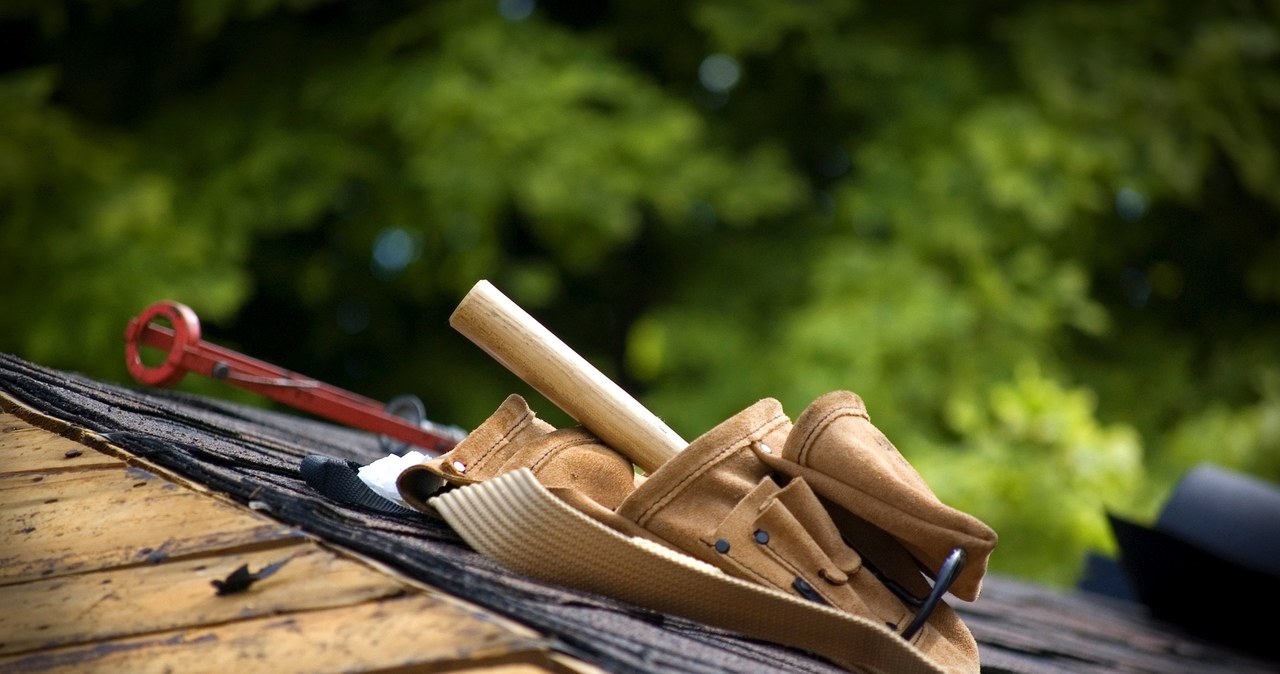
<point>185,352</point>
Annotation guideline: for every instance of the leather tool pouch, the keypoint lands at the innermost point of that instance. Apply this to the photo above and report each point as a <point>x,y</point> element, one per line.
<point>826,509</point>
<point>721,502</point>
<point>569,459</point>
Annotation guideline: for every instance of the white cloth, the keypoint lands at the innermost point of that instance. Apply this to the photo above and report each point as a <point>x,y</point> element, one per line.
<point>381,475</point>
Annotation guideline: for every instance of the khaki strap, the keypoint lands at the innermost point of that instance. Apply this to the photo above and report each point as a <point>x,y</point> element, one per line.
<point>516,521</point>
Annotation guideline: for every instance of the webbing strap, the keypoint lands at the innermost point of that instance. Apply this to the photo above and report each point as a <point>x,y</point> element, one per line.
<point>338,479</point>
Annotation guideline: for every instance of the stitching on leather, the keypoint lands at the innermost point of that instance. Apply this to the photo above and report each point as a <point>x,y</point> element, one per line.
<point>741,566</point>
<point>782,560</point>
<point>826,420</point>
<point>505,439</point>
<point>558,448</point>
<point>697,472</point>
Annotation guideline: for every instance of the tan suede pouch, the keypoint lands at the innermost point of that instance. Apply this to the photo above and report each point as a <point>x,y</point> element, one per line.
<point>719,502</point>
<point>687,497</point>
<point>849,462</point>
<point>826,509</point>
<point>570,459</point>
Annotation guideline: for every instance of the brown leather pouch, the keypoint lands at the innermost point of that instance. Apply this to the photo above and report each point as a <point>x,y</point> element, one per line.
<point>854,467</point>
<point>720,502</point>
<point>513,437</point>
<point>826,510</point>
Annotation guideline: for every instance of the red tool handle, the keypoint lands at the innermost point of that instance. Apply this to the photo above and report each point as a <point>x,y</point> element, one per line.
<point>185,352</point>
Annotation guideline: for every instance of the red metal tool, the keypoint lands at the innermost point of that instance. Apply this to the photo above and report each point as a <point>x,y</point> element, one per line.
<point>185,352</point>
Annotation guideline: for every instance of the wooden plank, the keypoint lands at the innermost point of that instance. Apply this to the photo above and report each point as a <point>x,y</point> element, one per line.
<point>145,599</point>
<point>26,448</point>
<point>418,633</point>
<point>75,522</point>
<point>107,567</point>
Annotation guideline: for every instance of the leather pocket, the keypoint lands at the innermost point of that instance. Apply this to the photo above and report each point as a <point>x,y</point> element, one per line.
<point>782,537</point>
<point>514,437</point>
<point>575,459</point>
<point>851,464</point>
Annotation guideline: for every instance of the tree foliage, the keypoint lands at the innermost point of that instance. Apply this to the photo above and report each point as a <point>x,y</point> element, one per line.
<point>1038,238</point>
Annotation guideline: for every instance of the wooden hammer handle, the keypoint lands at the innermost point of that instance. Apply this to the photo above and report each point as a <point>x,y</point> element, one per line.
<point>524,346</point>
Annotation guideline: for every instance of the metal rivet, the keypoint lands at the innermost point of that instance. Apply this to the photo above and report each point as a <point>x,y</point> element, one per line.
<point>722,546</point>
<point>806,590</point>
<point>765,448</point>
<point>460,466</point>
<point>762,536</point>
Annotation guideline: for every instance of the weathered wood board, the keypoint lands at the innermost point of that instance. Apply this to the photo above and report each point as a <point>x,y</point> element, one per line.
<point>417,633</point>
<point>72,522</point>
<point>27,448</point>
<point>153,598</point>
<point>107,567</point>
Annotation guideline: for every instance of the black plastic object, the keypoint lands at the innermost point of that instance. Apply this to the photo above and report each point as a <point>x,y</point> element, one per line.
<point>1232,515</point>
<point>1211,563</point>
<point>338,480</point>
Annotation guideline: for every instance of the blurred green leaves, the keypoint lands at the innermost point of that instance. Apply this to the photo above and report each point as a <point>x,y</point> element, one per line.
<point>1070,467</point>
<point>1038,239</point>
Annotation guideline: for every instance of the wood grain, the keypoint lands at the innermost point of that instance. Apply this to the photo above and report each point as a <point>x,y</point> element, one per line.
<point>142,599</point>
<point>56,524</point>
<point>514,338</point>
<point>419,633</point>
<point>31,449</point>
<point>106,567</point>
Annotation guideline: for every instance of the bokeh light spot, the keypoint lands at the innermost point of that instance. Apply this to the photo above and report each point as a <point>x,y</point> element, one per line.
<point>394,249</point>
<point>1130,204</point>
<point>516,10</point>
<point>719,73</point>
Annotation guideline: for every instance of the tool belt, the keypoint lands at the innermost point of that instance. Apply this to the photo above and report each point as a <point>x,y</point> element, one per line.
<point>824,510</point>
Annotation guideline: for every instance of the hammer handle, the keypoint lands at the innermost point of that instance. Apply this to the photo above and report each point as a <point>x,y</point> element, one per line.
<point>514,338</point>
